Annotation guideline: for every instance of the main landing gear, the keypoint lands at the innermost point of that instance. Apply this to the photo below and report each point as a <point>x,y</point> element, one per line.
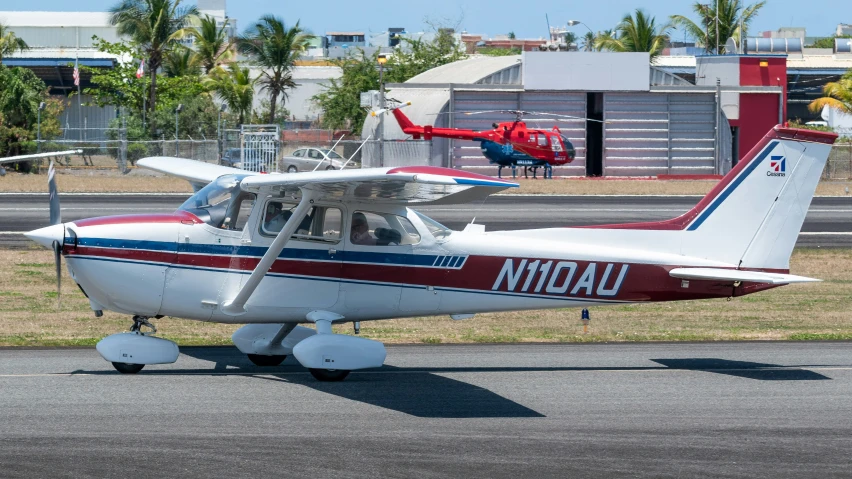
<point>500,171</point>
<point>262,360</point>
<point>329,375</point>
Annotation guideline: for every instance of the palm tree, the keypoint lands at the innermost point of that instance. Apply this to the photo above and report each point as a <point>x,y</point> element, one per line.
<point>275,48</point>
<point>211,43</point>
<point>731,14</point>
<point>10,43</point>
<point>154,25</point>
<point>637,33</point>
<point>838,95</point>
<point>589,42</point>
<point>181,62</point>
<point>235,87</point>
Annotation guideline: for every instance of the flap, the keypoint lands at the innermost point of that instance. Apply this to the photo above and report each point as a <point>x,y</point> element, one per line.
<point>196,172</point>
<point>720,274</point>
<point>405,185</point>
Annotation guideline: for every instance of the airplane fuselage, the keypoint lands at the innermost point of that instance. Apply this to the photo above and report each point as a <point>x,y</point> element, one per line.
<point>177,265</point>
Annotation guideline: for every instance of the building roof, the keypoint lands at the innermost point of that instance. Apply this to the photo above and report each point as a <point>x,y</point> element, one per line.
<point>472,70</point>
<point>55,19</point>
<point>344,33</point>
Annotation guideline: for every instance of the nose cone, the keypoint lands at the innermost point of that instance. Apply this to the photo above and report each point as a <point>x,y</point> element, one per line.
<point>47,235</point>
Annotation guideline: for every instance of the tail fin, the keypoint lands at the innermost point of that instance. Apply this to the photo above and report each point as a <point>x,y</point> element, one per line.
<point>752,218</point>
<point>404,121</point>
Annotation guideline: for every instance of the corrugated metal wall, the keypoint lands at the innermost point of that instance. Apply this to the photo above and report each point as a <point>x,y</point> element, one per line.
<point>67,37</point>
<point>469,154</point>
<point>659,133</point>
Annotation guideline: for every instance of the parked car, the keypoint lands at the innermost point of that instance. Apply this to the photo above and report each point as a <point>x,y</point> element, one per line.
<point>307,159</point>
<point>233,158</point>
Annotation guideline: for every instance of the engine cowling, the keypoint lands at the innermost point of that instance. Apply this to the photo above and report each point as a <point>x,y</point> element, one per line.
<point>135,348</point>
<point>341,352</point>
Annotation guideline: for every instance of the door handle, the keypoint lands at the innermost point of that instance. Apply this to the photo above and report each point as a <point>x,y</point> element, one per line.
<point>332,251</point>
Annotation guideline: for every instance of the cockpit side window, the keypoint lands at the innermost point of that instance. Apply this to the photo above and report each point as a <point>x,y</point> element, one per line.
<point>322,223</point>
<point>381,229</point>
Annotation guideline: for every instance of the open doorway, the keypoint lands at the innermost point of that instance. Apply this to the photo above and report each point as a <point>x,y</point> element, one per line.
<point>594,134</point>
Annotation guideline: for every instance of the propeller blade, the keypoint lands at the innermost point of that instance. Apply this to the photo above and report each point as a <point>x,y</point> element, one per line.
<point>55,214</point>
<point>57,258</point>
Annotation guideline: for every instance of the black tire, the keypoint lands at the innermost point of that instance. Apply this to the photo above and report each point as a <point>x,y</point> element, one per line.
<point>292,169</point>
<point>330,168</point>
<point>261,360</point>
<point>329,375</point>
<point>127,368</point>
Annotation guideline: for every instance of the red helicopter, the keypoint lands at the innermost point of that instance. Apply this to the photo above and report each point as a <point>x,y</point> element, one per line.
<point>508,144</point>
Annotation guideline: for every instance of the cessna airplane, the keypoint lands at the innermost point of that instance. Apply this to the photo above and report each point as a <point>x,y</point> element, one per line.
<point>277,251</point>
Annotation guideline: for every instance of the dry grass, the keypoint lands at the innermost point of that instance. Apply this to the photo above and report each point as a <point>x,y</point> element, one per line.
<point>93,180</point>
<point>28,314</point>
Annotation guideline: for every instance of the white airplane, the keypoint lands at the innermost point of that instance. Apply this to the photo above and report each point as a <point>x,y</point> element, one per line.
<point>277,251</point>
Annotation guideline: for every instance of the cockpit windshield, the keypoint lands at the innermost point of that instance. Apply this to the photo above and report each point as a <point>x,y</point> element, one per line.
<point>569,147</point>
<point>212,204</point>
<point>438,230</point>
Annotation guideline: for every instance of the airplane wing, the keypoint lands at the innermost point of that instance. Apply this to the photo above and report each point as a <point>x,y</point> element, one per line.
<point>21,158</point>
<point>738,275</point>
<point>402,185</point>
<point>197,173</point>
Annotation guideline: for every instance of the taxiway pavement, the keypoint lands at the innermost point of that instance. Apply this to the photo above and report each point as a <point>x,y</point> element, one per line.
<point>572,410</point>
<point>828,223</point>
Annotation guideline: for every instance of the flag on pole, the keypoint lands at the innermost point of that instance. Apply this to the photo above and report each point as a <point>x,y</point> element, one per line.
<point>76,73</point>
<point>141,71</point>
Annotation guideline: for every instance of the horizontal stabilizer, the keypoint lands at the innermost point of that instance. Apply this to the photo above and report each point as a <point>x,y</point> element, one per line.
<point>720,274</point>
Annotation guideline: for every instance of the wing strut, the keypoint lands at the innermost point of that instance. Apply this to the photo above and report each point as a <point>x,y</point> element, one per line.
<point>236,306</point>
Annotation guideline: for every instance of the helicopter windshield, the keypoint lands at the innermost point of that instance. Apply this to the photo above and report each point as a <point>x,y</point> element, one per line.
<point>569,147</point>
<point>210,204</point>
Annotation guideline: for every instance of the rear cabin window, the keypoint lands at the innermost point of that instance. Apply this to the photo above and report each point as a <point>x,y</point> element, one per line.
<point>299,153</point>
<point>322,223</point>
<point>381,229</point>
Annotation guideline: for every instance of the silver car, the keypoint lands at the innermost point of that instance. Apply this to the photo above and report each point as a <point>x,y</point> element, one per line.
<point>307,159</point>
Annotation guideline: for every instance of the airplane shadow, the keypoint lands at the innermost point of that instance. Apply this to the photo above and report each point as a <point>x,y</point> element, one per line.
<point>743,369</point>
<point>424,392</point>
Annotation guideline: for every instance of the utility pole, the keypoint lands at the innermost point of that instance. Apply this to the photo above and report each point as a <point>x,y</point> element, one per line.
<point>717,27</point>
<point>382,60</point>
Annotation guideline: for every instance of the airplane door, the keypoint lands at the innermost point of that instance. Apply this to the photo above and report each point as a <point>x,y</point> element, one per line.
<point>307,272</point>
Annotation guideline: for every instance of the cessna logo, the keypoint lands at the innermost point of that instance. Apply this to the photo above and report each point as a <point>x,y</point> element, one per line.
<point>777,166</point>
<point>560,277</point>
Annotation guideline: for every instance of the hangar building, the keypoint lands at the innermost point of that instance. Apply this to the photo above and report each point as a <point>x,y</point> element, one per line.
<point>654,122</point>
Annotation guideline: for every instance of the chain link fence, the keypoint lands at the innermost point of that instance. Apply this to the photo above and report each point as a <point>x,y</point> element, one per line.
<point>839,165</point>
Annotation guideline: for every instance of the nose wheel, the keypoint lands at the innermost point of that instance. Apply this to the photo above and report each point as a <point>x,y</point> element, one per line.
<point>261,360</point>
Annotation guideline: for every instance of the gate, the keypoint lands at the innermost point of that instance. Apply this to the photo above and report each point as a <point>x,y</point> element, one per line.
<point>259,147</point>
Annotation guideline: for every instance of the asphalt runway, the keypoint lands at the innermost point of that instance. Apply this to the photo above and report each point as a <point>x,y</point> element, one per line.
<point>779,410</point>
<point>828,224</point>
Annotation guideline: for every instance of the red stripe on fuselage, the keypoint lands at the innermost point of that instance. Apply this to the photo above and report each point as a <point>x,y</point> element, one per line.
<point>642,282</point>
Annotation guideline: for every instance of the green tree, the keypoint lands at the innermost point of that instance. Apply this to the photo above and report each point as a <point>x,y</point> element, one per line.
<point>637,33</point>
<point>154,26</point>
<point>181,62</point>
<point>10,43</point>
<point>235,87</point>
<point>210,42</point>
<point>21,92</point>
<point>341,101</point>
<point>511,35</point>
<point>838,95</point>
<point>731,14</point>
<point>826,42</point>
<point>275,48</point>
<point>589,42</point>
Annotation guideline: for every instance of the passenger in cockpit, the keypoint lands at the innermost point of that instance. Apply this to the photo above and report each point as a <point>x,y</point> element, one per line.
<point>360,233</point>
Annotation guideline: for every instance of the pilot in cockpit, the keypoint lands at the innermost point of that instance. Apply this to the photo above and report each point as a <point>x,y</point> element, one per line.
<point>276,217</point>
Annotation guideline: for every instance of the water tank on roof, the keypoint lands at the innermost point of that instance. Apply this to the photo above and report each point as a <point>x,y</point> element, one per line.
<point>773,45</point>
<point>843,45</point>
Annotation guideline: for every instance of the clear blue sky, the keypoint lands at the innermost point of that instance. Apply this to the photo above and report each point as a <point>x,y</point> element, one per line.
<point>525,17</point>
